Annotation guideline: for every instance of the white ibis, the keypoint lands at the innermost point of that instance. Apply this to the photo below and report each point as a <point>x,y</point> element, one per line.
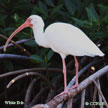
<point>64,39</point>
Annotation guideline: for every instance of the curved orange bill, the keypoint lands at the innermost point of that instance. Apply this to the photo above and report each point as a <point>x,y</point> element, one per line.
<point>26,24</point>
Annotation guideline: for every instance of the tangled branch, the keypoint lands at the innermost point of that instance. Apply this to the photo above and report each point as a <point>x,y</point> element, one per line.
<point>33,70</point>
<point>13,57</point>
<point>28,74</point>
<point>56,101</point>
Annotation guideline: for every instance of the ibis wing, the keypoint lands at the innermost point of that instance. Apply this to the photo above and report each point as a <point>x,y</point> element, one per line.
<point>68,39</point>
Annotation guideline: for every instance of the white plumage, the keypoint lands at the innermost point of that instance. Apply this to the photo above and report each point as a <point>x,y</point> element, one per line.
<point>67,39</point>
<point>64,39</point>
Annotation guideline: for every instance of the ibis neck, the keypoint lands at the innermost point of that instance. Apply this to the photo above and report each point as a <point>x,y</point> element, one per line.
<point>40,36</point>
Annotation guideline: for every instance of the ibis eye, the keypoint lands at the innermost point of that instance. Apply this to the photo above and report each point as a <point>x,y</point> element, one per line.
<point>29,20</point>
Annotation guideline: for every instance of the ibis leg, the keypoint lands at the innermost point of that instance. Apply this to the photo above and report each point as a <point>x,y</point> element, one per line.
<point>76,66</point>
<point>64,73</point>
<point>66,90</point>
<point>65,80</point>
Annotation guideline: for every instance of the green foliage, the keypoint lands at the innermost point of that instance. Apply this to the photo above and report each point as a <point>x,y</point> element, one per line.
<point>43,59</point>
<point>31,43</point>
<point>37,59</point>
<point>90,16</point>
<point>73,6</point>
<point>50,54</point>
<point>82,23</point>
<point>49,3</point>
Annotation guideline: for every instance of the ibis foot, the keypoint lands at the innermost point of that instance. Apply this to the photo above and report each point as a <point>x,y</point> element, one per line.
<point>66,91</point>
<point>74,86</point>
